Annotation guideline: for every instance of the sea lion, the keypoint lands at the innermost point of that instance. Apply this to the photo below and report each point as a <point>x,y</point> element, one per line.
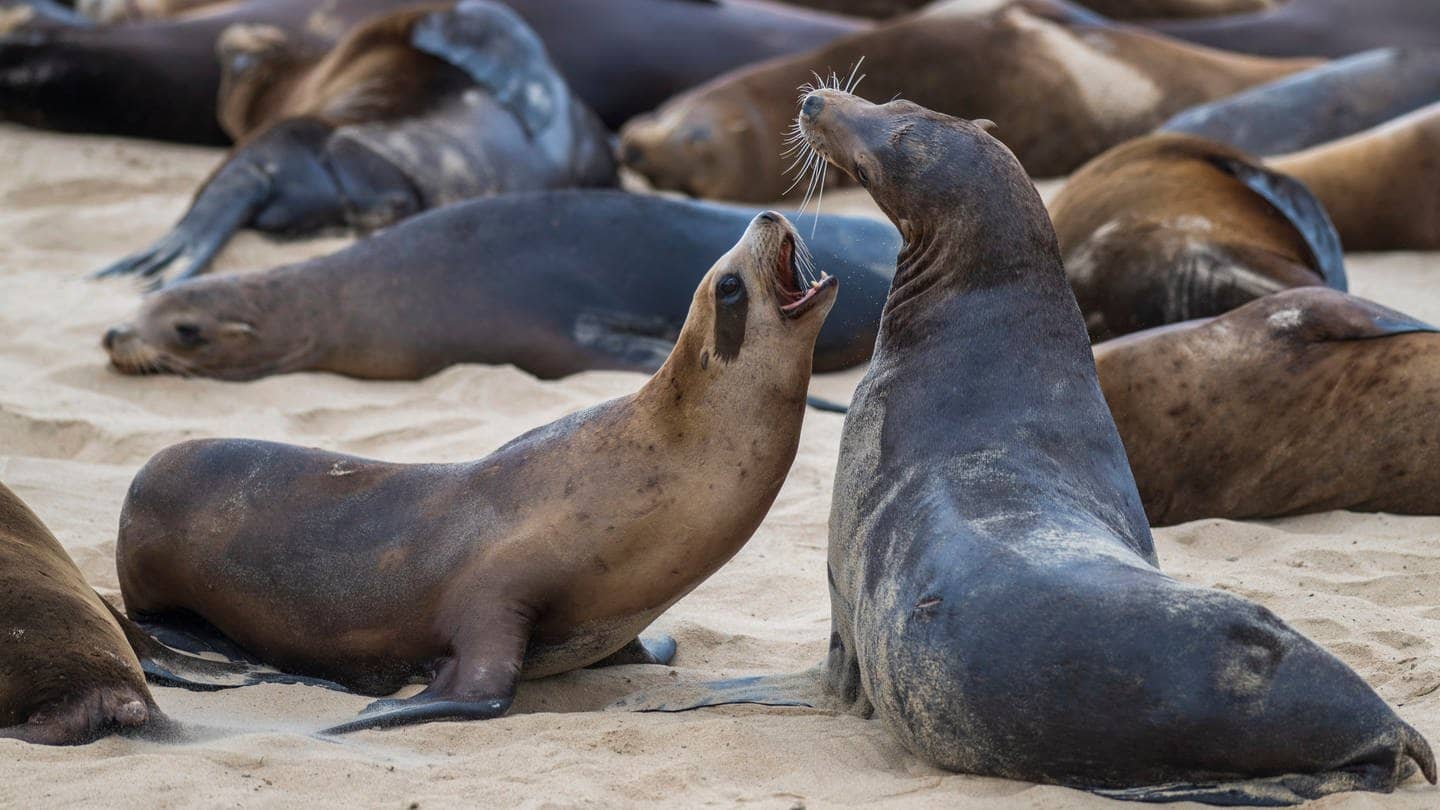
<point>111,12</point>
<point>1220,418</point>
<point>1328,28</point>
<point>552,282</point>
<point>995,595</point>
<point>550,554</point>
<point>1099,84</point>
<point>151,79</point>
<point>73,669</point>
<point>1381,186</point>
<point>1168,227</point>
<point>159,79</point>
<point>414,110</point>
<point>1115,9</point>
<point>1319,105</point>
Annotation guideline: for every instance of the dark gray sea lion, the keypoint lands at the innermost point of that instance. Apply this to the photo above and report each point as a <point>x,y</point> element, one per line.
<point>1381,186</point>
<point>552,282</point>
<point>1222,417</point>
<point>1063,85</point>
<point>550,554</point>
<point>1168,227</point>
<point>414,110</point>
<point>72,669</point>
<point>1329,28</point>
<point>1319,105</point>
<point>160,79</point>
<point>995,595</point>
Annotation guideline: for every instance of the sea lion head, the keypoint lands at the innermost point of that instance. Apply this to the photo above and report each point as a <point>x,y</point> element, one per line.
<point>707,144</point>
<point>253,57</point>
<point>222,328</point>
<point>918,165</point>
<point>759,309</point>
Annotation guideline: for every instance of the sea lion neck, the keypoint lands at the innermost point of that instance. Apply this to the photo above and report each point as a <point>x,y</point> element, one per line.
<point>992,231</point>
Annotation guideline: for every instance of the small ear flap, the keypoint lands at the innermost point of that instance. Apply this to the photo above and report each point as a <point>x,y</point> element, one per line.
<point>985,124</point>
<point>236,328</point>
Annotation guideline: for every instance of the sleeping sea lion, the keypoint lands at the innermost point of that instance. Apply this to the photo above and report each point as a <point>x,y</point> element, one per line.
<point>160,79</point>
<point>1319,105</point>
<point>1381,186</point>
<point>1328,28</point>
<point>550,554</point>
<point>1063,85</point>
<point>994,589</point>
<point>72,668</point>
<point>1167,228</point>
<point>551,282</point>
<point>1115,9</point>
<point>414,110</point>
<point>1303,401</point>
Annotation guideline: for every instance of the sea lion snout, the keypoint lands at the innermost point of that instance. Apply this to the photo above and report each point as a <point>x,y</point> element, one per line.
<point>117,335</point>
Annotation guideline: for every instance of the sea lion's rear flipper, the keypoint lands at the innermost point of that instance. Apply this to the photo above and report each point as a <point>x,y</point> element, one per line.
<point>167,667</point>
<point>1317,316</point>
<point>658,650</point>
<point>828,406</point>
<point>1305,213</point>
<point>799,690</point>
<point>498,51</point>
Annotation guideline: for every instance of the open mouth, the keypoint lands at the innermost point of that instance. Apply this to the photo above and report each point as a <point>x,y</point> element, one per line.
<point>796,286</point>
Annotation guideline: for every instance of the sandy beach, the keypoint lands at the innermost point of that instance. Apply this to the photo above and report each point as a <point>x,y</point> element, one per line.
<point>73,433</point>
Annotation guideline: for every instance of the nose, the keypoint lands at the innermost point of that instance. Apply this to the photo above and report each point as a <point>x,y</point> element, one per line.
<point>770,216</point>
<point>114,335</point>
<point>630,153</point>
<point>812,106</point>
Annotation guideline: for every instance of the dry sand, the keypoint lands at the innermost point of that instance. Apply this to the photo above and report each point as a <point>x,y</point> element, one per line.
<point>72,433</point>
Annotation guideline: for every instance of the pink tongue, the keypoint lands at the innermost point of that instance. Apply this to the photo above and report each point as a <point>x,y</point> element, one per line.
<point>802,300</point>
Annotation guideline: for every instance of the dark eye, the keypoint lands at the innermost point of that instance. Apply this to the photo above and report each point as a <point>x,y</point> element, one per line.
<point>861,176</point>
<point>730,288</point>
<point>189,334</point>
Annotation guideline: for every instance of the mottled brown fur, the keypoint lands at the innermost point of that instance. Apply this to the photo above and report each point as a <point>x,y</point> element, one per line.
<point>1295,403</point>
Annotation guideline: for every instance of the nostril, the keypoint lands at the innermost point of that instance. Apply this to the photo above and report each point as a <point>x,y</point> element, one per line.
<point>630,154</point>
<point>812,106</point>
<point>770,216</point>
<point>111,335</point>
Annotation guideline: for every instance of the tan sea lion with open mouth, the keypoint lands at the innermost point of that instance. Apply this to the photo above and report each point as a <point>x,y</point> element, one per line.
<point>550,554</point>
<point>1170,227</point>
<point>1063,85</point>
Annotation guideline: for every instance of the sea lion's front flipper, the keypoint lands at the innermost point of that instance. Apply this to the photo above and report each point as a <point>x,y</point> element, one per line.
<point>1276,791</point>
<point>167,667</point>
<point>499,52</point>
<point>1305,213</point>
<point>798,690</point>
<point>221,207</point>
<point>658,650</point>
<point>476,683</point>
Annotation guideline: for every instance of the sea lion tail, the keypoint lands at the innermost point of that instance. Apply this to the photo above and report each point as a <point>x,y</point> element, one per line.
<point>168,667</point>
<point>821,404</point>
<point>797,690</point>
